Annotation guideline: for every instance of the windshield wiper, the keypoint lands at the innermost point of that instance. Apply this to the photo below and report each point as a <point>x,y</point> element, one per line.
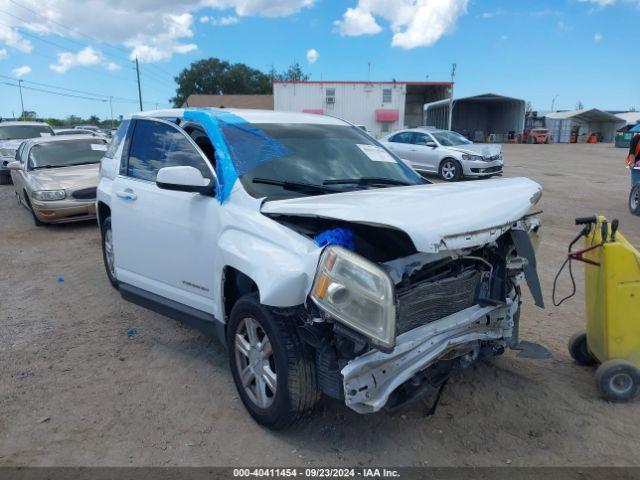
<point>367,181</point>
<point>295,186</point>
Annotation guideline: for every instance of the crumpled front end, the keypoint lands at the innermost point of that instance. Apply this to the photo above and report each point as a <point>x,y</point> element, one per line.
<point>450,309</point>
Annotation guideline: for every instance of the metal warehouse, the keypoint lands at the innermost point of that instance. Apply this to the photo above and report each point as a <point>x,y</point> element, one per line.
<point>381,107</point>
<point>563,125</point>
<point>487,117</point>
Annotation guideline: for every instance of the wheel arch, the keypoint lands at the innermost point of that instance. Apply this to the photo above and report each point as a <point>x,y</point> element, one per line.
<point>235,284</point>
<point>102,211</point>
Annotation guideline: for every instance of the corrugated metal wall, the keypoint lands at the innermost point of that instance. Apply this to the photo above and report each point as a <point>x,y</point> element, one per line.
<point>354,102</point>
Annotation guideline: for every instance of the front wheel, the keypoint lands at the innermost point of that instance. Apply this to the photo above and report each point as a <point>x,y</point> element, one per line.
<point>618,380</point>
<point>450,170</point>
<point>634,200</point>
<point>272,368</point>
<point>108,253</point>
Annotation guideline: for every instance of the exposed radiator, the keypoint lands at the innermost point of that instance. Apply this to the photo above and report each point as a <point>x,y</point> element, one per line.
<point>428,301</point>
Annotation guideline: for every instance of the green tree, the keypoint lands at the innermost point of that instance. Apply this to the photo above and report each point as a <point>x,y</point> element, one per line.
<point>28,115</point>
<point>293,74</point>
<point>93,120</point>
<point>215,76</point>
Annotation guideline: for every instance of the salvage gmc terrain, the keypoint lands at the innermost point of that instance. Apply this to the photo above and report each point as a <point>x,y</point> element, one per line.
<point>325,263</point>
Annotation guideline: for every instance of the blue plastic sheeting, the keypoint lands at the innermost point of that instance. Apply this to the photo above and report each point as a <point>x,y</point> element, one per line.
<point>337,236</point>
<point>239,147</point>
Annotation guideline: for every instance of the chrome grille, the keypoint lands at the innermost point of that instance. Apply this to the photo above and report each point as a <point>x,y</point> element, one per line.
<point>85,194</point>
<point>428,301</point>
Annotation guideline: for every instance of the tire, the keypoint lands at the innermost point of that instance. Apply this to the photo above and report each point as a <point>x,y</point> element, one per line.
<point>5,180</point>
<point>618,380</point>
<point>36,220</point>
<point>450,170</point>
<point>108,253</point>
<point>290,367</point>
<point>634,200</point>
<point>580,351</point>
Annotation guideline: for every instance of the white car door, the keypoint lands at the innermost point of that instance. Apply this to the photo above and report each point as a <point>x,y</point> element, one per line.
<point>426,154</point>
<point>164,241</point>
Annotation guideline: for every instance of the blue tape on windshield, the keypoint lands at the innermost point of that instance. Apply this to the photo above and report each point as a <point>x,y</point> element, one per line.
<point>239,147</point>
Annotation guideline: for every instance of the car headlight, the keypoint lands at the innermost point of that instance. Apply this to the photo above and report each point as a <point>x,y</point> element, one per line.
<point>357,293</point>
<point>473,158</point>
<point>7,152</point>
<point>48,195</point>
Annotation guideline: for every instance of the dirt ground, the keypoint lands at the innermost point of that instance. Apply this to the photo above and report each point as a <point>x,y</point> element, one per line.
<point>76,390</point>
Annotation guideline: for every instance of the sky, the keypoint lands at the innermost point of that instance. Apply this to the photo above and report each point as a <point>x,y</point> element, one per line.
<point>73,55</point>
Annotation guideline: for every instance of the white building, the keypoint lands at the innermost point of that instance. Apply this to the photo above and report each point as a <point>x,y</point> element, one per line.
<point>381,107</point>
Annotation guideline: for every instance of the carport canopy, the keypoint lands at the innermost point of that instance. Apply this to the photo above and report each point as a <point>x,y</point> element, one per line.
<point>480,115</point>
<point>586,121</point>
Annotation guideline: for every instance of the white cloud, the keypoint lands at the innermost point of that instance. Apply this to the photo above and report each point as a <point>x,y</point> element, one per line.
<point>600,4</point>
<point>11,38</point>
<point>220,21</point>
<point>493,14</point>
<point>312,56</point>
<point>597,37</point>
<point>263,8</point>
<point>3,53</point>
<point>414,23</point>
<point>154,30</point>
<point>356,22</point>
<point>86,57</point>
<point>564,27</point>
<point>21,71</point>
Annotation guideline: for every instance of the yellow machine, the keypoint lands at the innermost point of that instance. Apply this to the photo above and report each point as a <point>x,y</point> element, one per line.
<point>612,294</point>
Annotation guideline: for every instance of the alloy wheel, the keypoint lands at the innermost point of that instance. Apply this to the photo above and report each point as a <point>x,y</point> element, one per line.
<point>635,199</point>
<point>449,171</point>
<point>255,362</point>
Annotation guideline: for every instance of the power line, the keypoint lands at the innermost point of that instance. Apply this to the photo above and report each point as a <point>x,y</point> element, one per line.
<point>73,31</point>
<point>56,93</point>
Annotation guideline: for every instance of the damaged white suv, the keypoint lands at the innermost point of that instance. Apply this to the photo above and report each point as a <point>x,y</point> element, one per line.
<point>325,263</point>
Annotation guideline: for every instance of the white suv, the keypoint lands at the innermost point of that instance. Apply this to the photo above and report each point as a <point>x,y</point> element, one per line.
<point>445,153</point>
<point>324,263</point>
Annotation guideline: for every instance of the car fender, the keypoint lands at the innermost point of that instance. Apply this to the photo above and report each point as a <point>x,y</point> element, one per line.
<point>282,266</point>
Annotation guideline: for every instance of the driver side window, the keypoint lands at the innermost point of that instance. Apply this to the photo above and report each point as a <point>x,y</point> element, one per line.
<point>422,139</point>
<point>155,145</point>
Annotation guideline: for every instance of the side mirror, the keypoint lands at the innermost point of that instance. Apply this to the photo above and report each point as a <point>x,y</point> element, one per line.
<point>431,144</point>
<point>184,179</point>
<point>15,165</point>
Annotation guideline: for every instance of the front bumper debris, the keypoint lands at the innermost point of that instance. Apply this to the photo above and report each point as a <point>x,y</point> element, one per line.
<point>370,379</point>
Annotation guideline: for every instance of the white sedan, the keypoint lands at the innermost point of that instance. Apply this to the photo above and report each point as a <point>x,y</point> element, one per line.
<point>445,153</point>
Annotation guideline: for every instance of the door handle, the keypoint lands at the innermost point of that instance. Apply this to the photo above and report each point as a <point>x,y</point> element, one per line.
<point>127,195</point>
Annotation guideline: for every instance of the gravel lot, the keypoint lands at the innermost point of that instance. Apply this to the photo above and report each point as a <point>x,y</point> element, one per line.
<point>76,390</point>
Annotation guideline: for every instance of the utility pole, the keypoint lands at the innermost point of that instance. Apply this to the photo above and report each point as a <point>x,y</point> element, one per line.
<point>453,77</point>
<point>553,103</point>
<point>111,109</point>
<point>369,72</point>
<point>21,101</point>
<point>139,89</point>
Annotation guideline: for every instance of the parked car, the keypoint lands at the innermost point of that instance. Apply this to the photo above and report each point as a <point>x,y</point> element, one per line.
<point>79,131</point>
<point>93,128</point>
<point>55,178</point>
<point>324,263</point>
<point>445,153</point>
<point>537,135</point>
<point>12,134</point>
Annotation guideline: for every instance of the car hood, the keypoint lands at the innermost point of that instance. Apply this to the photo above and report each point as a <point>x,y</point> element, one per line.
<point>12,144</point>
<point>483,149</point>
<point>436,217</point>
<point>79,176</point>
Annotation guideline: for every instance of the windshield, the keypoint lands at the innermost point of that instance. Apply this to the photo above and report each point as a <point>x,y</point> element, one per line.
<point>66,154</point>
<point>450,139</point>
<point>21,132</point>
<point>315,155</point>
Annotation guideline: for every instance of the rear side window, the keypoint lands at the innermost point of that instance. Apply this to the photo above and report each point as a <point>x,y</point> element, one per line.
<point>117,139</point>
<point>404,137</point>
<point>156,145</point>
